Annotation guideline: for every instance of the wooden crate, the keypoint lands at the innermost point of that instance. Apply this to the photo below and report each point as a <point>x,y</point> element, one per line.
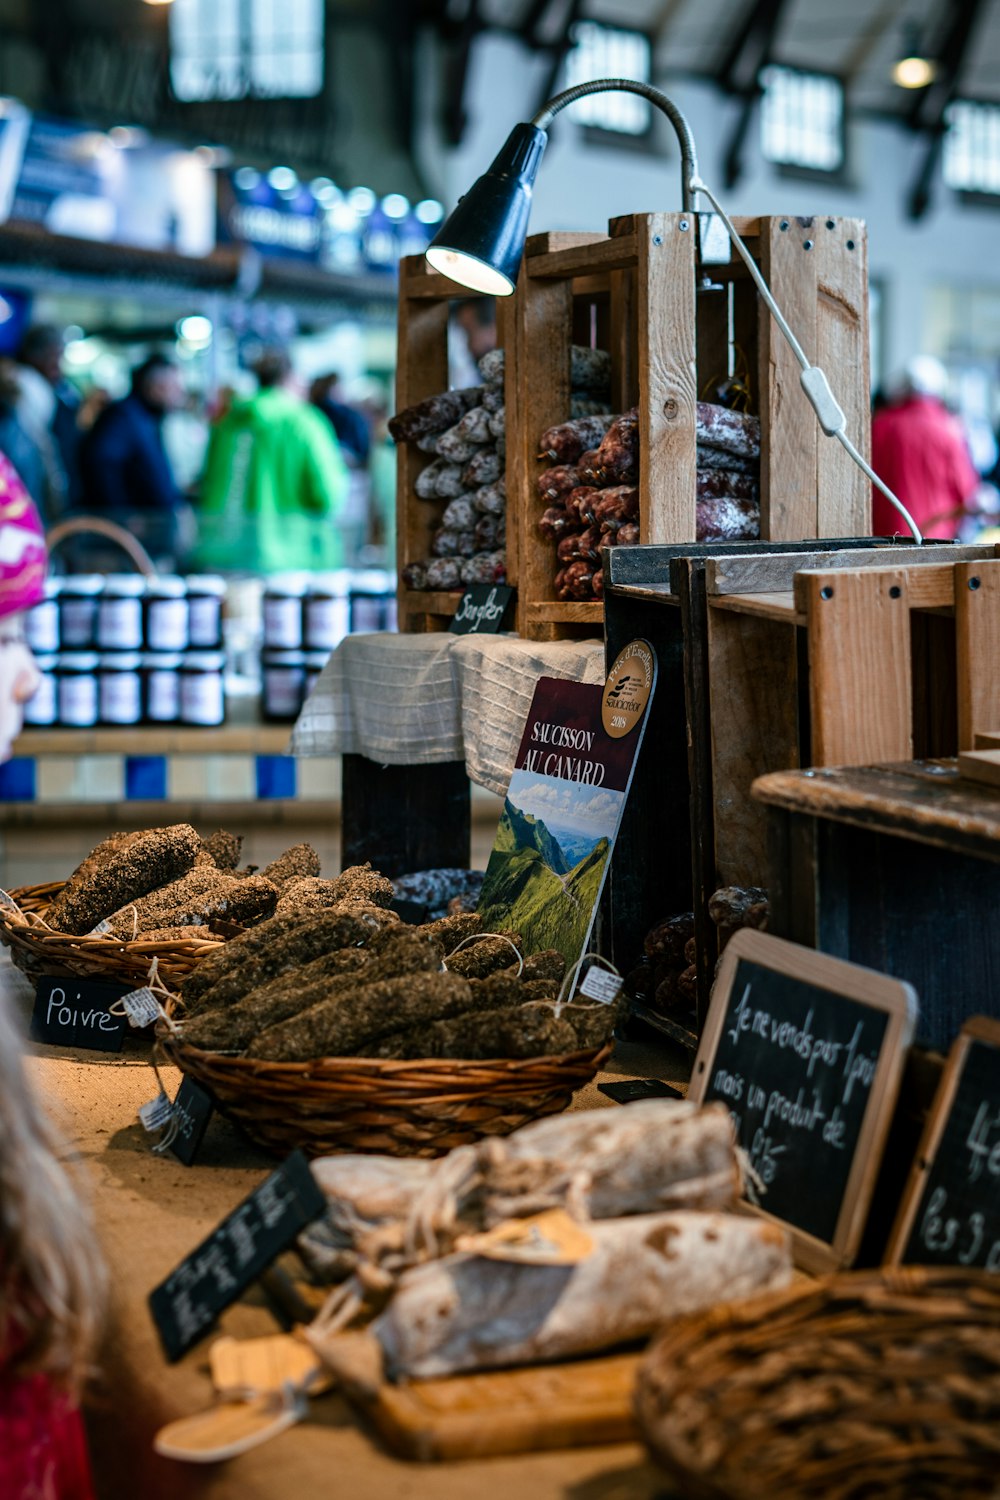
<point>670,336</point>
<point>425,299</point>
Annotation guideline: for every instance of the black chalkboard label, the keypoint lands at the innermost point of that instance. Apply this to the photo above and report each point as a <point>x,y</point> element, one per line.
<point>807,1053</point>
<point>74,1013</point>
<point>186,1305</point>
<point>950,1214</point>
<point>482,609</point>
<point>193,1108</point>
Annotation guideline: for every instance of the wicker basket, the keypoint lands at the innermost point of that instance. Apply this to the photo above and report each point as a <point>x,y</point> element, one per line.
<point>422,1108</point>
<point>869,1384</point>
<point>39,950</point>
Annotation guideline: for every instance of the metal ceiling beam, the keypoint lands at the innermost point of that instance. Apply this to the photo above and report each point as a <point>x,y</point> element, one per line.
<point>928,111</point>
<point>456,75</point>
<point>559,51</point>
<point>869,39</point>
<point>662,22</point>
<point>739,73</point>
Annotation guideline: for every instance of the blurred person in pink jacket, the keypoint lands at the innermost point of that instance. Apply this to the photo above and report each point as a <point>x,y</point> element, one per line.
<point>919,450</point>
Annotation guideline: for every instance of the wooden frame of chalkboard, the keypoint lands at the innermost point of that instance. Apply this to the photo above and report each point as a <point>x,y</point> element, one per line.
<point>956,1222</point>
<point>809,1063</point>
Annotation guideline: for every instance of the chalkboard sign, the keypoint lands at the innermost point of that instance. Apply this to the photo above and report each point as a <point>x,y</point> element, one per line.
<point>807,1051</point>
<point>186,1305</point>
<point>193,1108</point>
<point>482,609</point>
<point>74,1013</point>
<point>950,1214</point>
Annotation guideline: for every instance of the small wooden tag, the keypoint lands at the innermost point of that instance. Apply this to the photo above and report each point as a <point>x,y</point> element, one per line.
<point>547,1239</point>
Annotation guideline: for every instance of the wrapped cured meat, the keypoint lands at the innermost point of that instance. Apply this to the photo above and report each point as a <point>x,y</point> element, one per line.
<point>482,468</point>
<point>628,535</point>
<point>491,367</point>
<point>433,415</point>
<point>717,458</point>
<point>414,575</point>
<point>597,584</point>
<point>569,546</point>
<point>711,483</point>
<point>468,1313</point>
<point>731,431</point>
<point>554,522</point>
<point>499,560</point>
<point>121,870</point>
<point>474,426</point>
<point>617,460</point>
<point>615,507</point>
<point>486,532</point>
<point>501,537</point>
<point>668,939</point>
<point>727,519</point>
<point>586,406</point>
<point>459,514</point>
<point>444,573</point>
<point>493,398</point>
<point>455,448</point>
<point>557,482</point>
<point>579,503</point>
<point>445,543</point>
<point>491,499</point>
<point>576,581</point>
<point>333,1028</point>
<point>428,443</point>
<point>439,480</point>
<point>481,567</point>
<point>564,442</point>
<point>498,423</point>
<point>589,369</point>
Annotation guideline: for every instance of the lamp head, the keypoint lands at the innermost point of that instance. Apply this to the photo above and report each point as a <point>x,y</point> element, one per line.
<point>481,243</point>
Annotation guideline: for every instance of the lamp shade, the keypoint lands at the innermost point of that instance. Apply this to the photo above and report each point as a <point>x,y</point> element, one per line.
<point>481,243</point>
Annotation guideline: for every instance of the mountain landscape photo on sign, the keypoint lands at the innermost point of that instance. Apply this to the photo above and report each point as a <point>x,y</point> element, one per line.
<point>549,861</point>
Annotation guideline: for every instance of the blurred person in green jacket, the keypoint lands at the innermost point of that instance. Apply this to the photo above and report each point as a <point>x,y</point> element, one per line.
<point>274,480</point>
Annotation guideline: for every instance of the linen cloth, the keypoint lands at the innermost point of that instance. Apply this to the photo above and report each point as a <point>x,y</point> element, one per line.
<point>422,699</point>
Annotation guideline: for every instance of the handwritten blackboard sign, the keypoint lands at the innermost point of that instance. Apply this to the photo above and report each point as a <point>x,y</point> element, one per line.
<point>74,1013</point>
<point>482,609</point>
<point>950,1214</point>
<point>193,1108</point>
<point>807,1051</point>
<point>186,1305</point>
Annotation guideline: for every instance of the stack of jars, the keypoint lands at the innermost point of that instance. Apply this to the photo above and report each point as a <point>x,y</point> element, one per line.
<point>305,617</point>
<point>124,650</point>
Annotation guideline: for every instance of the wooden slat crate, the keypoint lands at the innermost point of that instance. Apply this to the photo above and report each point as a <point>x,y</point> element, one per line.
<point>669,342</point>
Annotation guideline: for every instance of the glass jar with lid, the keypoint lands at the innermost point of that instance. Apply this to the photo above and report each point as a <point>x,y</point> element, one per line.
<point>41,708</point>
<point>205,594</point>
<point>119,688</point>
<point>283,680</point>
<point>282,611</point>
<point>76,689</point>
<point>162,674</point>
<point>41,622</point>
<point>78,600</point>
<point>315,662</point>
<point>326,612</point>
<point>166,614</point>
<point>119,613</point>
<point>202,689</point>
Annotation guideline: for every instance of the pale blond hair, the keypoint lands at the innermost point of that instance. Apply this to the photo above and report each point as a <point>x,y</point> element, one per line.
<point>52,1278</point>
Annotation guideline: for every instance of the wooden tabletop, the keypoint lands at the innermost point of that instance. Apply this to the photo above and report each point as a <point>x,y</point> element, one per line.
<point>925,800</point>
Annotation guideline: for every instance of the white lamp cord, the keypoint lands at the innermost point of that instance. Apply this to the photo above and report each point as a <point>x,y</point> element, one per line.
<point>814,382</point>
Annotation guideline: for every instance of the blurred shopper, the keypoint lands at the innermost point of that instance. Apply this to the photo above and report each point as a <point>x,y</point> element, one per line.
<point>920,451</point>
<point>17,442</point>
<point>274,480</point>
<point>126,472</point>
<point>42,350</point>
<point>347,422</point>
<point>51,1278</point>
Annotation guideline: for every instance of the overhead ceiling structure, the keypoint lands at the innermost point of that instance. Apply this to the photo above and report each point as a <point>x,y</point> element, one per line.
<point>729,42</point>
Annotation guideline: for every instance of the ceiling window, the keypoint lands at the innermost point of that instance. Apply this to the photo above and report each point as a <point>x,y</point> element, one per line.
<point>609,52</point>
<point>802,119</point>
<point>246,49</point>
<point>972,147</point>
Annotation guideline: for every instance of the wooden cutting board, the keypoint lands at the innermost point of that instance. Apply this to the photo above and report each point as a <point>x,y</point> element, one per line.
<point>585,1402</point>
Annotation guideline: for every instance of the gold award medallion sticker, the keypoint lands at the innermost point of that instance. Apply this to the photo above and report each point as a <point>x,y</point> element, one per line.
<point>627,690</point>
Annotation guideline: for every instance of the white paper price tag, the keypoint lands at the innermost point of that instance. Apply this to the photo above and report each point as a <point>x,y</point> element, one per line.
<point>8,901</point>
<point>100,929</point>
<point>601,985</point>
<point>156,1113</point>
<point>141,1007</point>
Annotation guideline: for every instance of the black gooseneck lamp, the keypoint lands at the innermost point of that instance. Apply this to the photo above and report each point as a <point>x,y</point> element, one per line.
<point>480,245</point>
